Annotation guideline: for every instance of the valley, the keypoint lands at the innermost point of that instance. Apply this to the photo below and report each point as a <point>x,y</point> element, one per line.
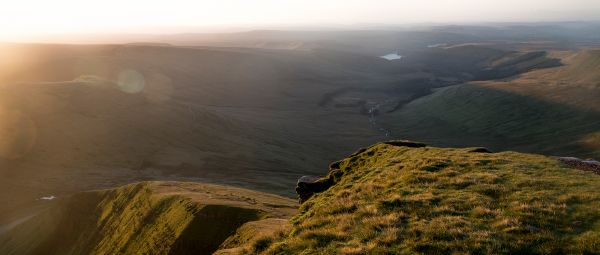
<point>260,109</point>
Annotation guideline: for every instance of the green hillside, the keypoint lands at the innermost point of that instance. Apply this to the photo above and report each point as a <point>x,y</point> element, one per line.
<point>552,111</point>
<point>469,115</point>
<point>390,198</point>
<point>147,218</point>
<point>400,200</point>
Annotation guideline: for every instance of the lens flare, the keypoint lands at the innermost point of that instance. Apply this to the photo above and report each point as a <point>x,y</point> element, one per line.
<point>131,81</point>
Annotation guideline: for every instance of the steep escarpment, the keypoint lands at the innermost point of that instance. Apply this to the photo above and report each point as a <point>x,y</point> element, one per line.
<point>405,198</point>
<point>145,218</point>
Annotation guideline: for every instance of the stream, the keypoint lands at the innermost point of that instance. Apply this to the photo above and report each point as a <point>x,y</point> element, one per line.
<point>372,112</point>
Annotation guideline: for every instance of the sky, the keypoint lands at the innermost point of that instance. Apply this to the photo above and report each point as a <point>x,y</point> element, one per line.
<point>30,17</point>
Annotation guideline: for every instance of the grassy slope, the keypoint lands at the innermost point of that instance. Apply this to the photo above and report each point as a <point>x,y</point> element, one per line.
<point>550,111</point>
<point>387,200</point>
<point>146,218</point>
<point>400,200</point>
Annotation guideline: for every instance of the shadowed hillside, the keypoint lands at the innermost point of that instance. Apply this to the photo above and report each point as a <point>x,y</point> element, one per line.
<point>109,115</point>
<point>552,111</point>
<point>472,62</point>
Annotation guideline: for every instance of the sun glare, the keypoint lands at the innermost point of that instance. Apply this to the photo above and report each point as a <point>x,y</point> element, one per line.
<point>35,17</point>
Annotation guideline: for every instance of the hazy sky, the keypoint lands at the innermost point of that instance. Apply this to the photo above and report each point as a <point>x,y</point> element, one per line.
<point>65,16</point>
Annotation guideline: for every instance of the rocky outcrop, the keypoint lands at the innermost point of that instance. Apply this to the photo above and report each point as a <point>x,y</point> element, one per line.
<point>309,185</point>
<point>399,200</point>
<point>480,150</point>
<point>586,165</point>
<point>405,143</point>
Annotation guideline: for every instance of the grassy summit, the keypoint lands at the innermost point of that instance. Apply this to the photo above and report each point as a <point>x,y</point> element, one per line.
<point>400,200</point>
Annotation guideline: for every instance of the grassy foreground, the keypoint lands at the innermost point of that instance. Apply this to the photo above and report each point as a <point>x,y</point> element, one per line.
<point>385,199</point>
<point>400,200</point>
<point>149,218</point>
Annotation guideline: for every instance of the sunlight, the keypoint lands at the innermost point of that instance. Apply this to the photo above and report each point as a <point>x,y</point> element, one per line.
<point>27,18</point>
<point>18,134</point>
<point>299,127</point>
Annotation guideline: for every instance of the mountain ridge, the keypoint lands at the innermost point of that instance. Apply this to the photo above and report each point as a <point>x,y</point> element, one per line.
<point>395,197</point>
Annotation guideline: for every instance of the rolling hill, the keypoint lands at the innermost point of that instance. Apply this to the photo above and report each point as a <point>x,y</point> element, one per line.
<point>148,218</point>
<point>552,111</point>
<point>163,144</point>
<point>80,117</point>
<point>396,197</point>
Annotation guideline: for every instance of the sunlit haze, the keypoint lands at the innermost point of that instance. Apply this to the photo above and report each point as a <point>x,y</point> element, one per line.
<point>35,17</point>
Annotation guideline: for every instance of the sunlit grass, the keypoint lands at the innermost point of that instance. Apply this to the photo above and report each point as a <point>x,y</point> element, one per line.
<point>399,200</point>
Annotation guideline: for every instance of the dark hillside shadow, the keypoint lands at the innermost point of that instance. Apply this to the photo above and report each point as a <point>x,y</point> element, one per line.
<point>470,115</point>
<point>210,227</point>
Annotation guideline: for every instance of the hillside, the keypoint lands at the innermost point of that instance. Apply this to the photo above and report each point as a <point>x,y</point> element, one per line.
<point>474,62</point>
<point>551,111</point>
<point>100,116</point>
<point>80,117</point>
<point>148,218</point>
<point>395,197</point>
<point>389,199</point>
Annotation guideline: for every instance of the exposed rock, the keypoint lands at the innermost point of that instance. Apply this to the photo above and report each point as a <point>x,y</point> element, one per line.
<point>361,150</point>
<point>412,187</point>
<point>335,165</point>
<point>308,179</point>
<point>308,185</point>
<point>405,143</point>
<point>480,150</point>
<point>586,165</point>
